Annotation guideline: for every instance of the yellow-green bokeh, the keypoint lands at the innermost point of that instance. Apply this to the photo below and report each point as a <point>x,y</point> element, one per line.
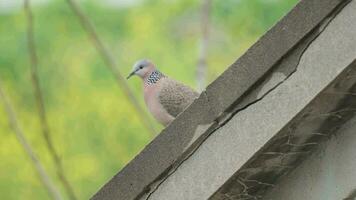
<point>94,127</point>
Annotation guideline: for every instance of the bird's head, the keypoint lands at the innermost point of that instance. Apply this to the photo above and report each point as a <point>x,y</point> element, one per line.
<point>142,68</point>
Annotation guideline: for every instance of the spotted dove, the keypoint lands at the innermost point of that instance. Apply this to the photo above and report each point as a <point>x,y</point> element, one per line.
<point>165,98</point>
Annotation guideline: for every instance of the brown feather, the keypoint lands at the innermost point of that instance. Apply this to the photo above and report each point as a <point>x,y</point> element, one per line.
<point>175,96</point>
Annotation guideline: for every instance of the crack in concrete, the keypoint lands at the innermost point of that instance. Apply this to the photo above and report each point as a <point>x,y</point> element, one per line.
<point>296,153</point>
<point>321,28</point>
<point>351,196</point>
<point>258,182</point>
<point>335,113</point>
<point>289,143</point>
<point>341,93</point>
<point>224,118</point>
<point>298,136</point>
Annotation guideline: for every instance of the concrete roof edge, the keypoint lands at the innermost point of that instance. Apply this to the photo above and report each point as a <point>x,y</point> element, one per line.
<point>265,172</point>
<point>180,138</point>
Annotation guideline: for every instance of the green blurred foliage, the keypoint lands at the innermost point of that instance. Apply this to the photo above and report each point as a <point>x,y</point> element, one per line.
<point>94,127</point>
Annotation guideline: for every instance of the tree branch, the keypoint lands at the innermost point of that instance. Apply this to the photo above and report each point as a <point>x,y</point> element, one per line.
<point>111,64</point>
<point>45,179</point>
<point>203,46</point>
<point>40,103</point>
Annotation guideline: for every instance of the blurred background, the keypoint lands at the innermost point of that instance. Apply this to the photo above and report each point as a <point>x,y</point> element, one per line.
<point>92,126</point>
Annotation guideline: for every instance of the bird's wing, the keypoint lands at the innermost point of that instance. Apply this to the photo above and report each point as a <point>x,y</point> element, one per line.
<point>175,96</point>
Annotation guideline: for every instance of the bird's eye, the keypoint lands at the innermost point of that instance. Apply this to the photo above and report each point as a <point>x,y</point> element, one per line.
<point>140,66</point>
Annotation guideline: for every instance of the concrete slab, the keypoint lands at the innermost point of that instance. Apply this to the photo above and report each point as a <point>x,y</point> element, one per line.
<point>223,99</point>
<point>328,174</point>
<point>224,154</point>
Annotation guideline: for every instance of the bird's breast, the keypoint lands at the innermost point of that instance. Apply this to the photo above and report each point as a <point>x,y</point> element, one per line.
<point>150,93</point>
<point>151,96</point>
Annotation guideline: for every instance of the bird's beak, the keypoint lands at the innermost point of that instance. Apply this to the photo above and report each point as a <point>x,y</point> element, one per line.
<point>131,74</point>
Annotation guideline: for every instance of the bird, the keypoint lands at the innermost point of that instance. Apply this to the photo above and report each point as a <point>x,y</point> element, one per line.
<point>164,97</point>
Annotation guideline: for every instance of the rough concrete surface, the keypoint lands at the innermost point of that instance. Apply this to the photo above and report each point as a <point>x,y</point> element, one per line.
<point>232,145</point>
<point>252,96</point>
<point>328,174</point>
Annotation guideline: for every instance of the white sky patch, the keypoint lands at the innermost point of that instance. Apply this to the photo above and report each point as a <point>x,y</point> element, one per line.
<point>9,6</point>
<point>121,3</point>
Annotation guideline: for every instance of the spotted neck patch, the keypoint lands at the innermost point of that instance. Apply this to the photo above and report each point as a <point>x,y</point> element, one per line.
<point>154,77</point>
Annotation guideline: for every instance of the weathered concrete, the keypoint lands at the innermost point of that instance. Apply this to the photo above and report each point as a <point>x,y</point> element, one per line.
<point>272,85</point>
<point>328,174</point>
<point>230,147</point>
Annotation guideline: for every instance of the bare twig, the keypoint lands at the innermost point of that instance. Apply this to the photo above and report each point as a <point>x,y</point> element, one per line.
<point>47,182</point>
<point>203,46</point>
<point>40,103</point>
<point>111,64</point>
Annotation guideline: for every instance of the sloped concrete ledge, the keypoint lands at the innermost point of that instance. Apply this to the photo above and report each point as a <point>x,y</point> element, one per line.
<point>328,174</point>
<point>253,75</point>
<point>271,137</point>
<point>316,123</point>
